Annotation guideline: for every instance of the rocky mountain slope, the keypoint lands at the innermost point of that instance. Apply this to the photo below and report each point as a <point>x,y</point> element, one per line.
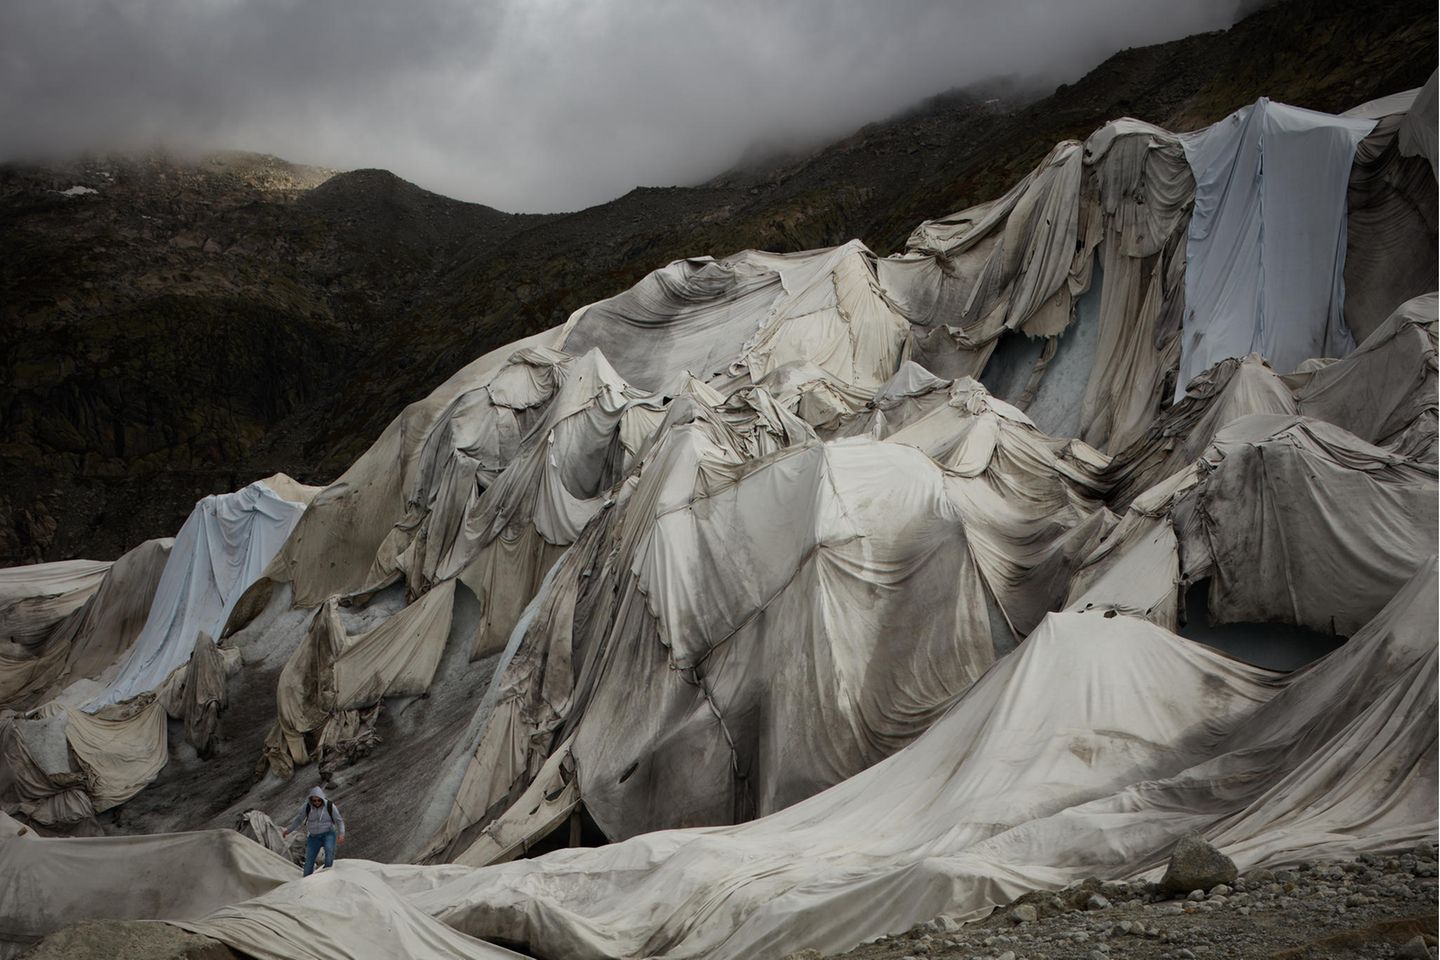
<point>171,328</point>
<point>162,315</point>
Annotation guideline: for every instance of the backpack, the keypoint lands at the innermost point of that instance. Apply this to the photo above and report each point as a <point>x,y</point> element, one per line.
<point>329,808</point>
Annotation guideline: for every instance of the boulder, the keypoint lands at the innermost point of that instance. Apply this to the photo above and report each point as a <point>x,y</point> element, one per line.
<point>1196,865</point>
<point>1415,949</point>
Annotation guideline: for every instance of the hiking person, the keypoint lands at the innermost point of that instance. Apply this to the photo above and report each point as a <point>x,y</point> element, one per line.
<point>323,821</point>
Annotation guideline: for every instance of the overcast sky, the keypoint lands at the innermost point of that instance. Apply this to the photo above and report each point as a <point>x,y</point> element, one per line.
<point>527,105</point>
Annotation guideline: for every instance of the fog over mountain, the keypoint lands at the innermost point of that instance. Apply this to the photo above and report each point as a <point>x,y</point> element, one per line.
<point>534,106</point>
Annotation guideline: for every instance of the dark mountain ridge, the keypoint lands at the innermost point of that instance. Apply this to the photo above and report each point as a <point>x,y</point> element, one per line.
<point>179,328</point>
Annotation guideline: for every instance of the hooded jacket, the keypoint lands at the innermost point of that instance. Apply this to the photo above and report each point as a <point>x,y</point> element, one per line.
<point>321,821</point>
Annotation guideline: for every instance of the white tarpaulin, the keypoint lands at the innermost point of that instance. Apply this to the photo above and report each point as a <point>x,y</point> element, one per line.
<point>61,766</point>
<point>692,315</point>
<point>34,598</point>
<point>1264,266</point>
<point>1058,764</point>
<point>1233,388</point>
<point>94,637</point>
<point>36,777</point>
<point>345,541</point>
<point>714,574</point>
<point>1006,265</point>
<point>1136,569</point>
<point>46,884</point>
<point>330,676</point>
<point>342,914</point>
<point>223,547</point>
<point>1418,135</point>
<point>1111,213</point>
<point>1298,521</point>
<point>1384,392</point>
<point>120,749</point>
<point>752,311</point>
<point>501,539</point>
<point>1391,227</point>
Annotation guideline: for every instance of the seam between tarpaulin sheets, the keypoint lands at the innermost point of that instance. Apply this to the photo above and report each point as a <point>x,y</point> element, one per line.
<point>698,679</point>
<point>800,565</point>
<point>1262,327</point>
<point>1280,527</point>
<point>964,524</point>
<point>765,323</point>
<point>1342,329</point>
<point>1204,494</point>
<point>844,316</point>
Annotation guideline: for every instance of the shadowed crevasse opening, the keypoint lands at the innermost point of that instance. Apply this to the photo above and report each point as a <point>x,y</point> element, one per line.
<point>1275,646</point>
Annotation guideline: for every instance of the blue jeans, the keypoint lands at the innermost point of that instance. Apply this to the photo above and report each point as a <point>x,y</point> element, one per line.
<point>312,850</point>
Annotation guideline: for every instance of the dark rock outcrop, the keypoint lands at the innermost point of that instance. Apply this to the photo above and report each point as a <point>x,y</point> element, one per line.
<point>1196,865</point>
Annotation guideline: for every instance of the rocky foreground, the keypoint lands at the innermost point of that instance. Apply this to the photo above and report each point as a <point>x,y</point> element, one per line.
<point>1378,906</point>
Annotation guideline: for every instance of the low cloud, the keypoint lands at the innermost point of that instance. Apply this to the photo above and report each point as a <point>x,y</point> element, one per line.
<point>533,105</point>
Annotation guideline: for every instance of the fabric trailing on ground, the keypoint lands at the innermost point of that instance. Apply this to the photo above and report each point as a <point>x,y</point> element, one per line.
<point>120,749</point>
<point>95,637</point>
<point>48,883</point>
<point>37,778</point>
<point>256,825</point>
<point>1055,763</point>
<point>346,912</point>
<point>1061,770</point>
<point>63,766</point>
<point>201,692</point>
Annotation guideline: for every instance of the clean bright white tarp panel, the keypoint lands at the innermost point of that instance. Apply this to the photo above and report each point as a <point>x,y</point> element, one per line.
<point>223,547</point>
<point>1265,260</point>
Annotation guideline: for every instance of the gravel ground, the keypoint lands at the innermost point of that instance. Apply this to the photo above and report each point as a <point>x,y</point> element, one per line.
<point>127,940</point>
<point>1373,907</point>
